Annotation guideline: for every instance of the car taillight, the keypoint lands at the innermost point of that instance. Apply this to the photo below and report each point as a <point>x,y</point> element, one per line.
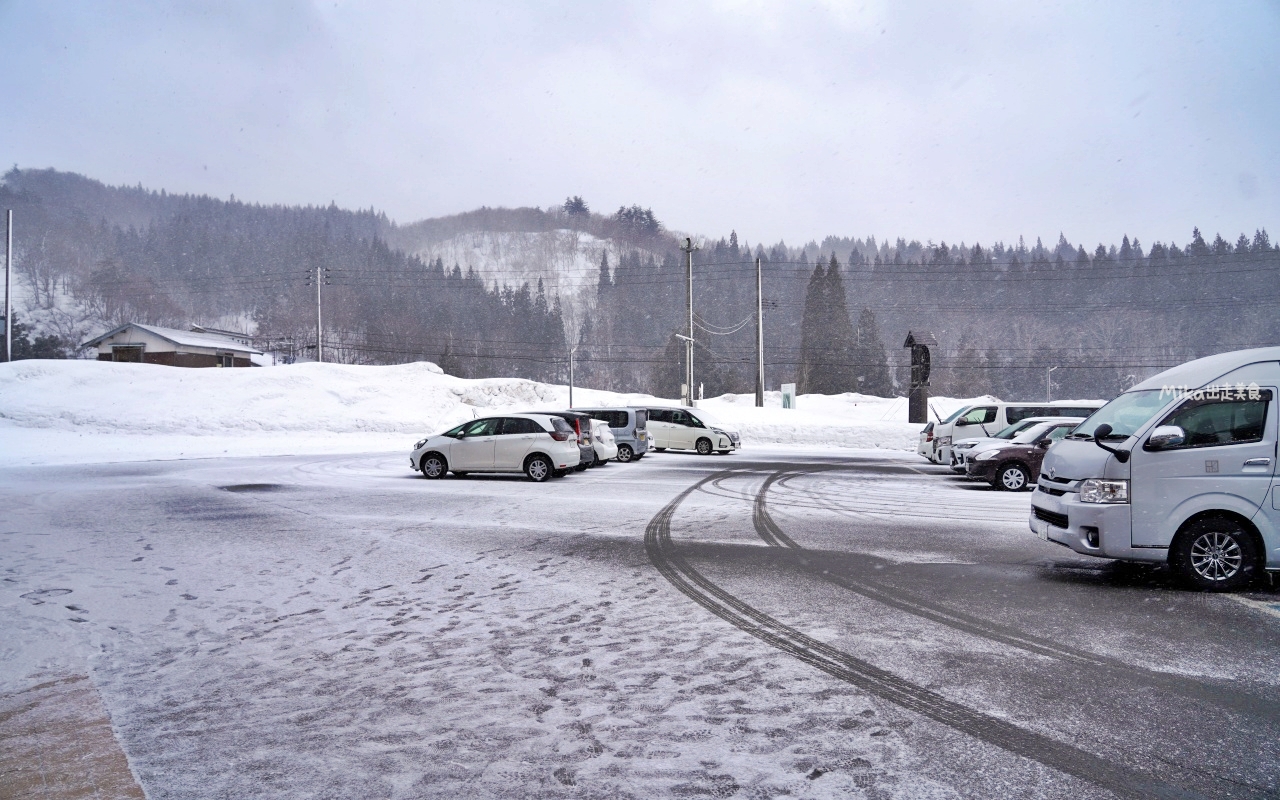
<point>560,436</point>
<point>928,437</point>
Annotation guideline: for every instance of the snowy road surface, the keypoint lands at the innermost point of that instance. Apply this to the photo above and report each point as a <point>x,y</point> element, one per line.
<point>777,622</point>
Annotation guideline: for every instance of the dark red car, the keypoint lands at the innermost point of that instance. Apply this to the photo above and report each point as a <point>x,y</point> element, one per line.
<point>1015,466</point>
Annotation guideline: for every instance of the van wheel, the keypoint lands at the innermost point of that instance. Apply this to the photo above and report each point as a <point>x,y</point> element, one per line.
<point>660,449</point>
<point>433,466</point>
<point>624,453</point>
<point>538,468</point>
<point>704,447</point>
<point>1215,554</point>
<point>1013,478</point>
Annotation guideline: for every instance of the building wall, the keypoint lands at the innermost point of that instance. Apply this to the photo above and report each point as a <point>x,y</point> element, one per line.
<point>172,359</point>
<point>162,351</point>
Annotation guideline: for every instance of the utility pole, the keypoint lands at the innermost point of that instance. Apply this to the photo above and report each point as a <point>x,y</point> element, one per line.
<point>8,282</point>
<point>319,327</point>
<point>688,258</point>
<point>572,350</point>
<point>759,337</point>
<point>1048,385</point>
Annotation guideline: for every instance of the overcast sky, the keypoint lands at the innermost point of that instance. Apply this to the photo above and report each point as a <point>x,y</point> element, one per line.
<point>944,121</point>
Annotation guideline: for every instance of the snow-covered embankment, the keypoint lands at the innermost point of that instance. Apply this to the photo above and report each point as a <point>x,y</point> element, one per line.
<point>66,411</point>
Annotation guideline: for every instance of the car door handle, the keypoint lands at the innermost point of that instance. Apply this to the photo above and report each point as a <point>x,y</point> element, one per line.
<point>1258,462</point>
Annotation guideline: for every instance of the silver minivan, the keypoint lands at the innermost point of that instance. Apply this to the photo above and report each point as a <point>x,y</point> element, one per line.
<point>629,427</point>
<point>1180,468</point>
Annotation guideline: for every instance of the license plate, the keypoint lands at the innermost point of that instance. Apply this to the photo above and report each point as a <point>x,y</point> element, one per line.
<point>1042,529</point>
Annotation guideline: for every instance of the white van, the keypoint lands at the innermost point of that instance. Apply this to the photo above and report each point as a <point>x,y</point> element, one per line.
<point>690,429</point>
<point>1180,468</point>
<point>988,419</point>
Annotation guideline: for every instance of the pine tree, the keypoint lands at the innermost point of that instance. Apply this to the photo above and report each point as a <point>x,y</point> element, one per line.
<point>843,343</point>
<point>1197,246</point>
<point>872,359</point>
<point>812,335</point>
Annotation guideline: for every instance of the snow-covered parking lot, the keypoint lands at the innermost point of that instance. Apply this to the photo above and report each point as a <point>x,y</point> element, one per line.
<point>787,621</point>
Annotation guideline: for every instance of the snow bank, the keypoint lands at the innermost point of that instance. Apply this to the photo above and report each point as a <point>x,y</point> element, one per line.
<point>53,411</point>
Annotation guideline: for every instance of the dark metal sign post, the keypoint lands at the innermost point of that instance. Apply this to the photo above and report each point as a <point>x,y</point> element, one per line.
<point>918,396</point>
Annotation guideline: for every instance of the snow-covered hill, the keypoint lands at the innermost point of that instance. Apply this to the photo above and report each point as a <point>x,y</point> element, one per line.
<point>567,261</point>
<point>66,411</point>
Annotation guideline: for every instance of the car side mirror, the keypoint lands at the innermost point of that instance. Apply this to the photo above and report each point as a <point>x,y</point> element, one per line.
<point>1044,443</point>
<point>1165,437</point>
<point>961,422</point>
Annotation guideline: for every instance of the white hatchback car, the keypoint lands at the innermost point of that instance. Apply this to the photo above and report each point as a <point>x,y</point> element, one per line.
<point>538,445</point>
<point>603,441</point>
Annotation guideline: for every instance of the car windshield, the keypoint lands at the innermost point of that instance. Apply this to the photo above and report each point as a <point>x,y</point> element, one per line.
<point>1029,435</point>
<point>1126,414</point>
<point>958,412</point>
<point>706,419</point>
<point>1014,429</point>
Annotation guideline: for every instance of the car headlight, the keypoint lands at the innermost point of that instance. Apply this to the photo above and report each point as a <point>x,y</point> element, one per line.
<point>944,440</point>
<point>986,456</point>
<point>420,443</point>
<point>1096,490</point>
<point>963,446</point>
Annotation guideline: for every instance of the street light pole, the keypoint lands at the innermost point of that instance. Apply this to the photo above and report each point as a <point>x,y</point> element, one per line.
<point>1048,385</point>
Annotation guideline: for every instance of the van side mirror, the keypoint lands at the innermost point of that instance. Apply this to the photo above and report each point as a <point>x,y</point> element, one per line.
<point>1165,437</point>
<point>1103,431</point>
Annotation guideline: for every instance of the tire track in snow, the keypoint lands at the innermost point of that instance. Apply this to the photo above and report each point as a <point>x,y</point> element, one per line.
<point>1233,700</point>
<point>1065,758</point>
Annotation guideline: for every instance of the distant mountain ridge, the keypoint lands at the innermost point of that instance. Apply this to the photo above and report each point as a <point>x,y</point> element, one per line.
<point>506,292</point>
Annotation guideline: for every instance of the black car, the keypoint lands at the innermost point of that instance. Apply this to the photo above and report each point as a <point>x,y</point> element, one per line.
<point>582,426</point>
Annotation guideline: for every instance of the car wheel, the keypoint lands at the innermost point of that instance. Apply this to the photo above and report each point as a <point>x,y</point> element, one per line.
<point>624,453</point>
<point>660,449</point>
<point>433,466</point>
<point>1013,478</point>
<point>538,468</point>
<point>1215,554</point>
<point>704,447</point>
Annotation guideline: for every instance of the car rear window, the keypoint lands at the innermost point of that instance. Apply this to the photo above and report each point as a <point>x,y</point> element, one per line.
<point>614,419</point>
<point>561,425</point>
<point>512,425</point>
<point>1073,412</point>
<point>1014,414</point>
<point>642,417</point>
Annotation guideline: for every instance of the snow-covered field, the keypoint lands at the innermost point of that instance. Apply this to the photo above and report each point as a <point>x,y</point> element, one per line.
<point>89,411</point>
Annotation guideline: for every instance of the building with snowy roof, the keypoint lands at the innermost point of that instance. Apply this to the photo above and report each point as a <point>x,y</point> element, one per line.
<point>151,344</point>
